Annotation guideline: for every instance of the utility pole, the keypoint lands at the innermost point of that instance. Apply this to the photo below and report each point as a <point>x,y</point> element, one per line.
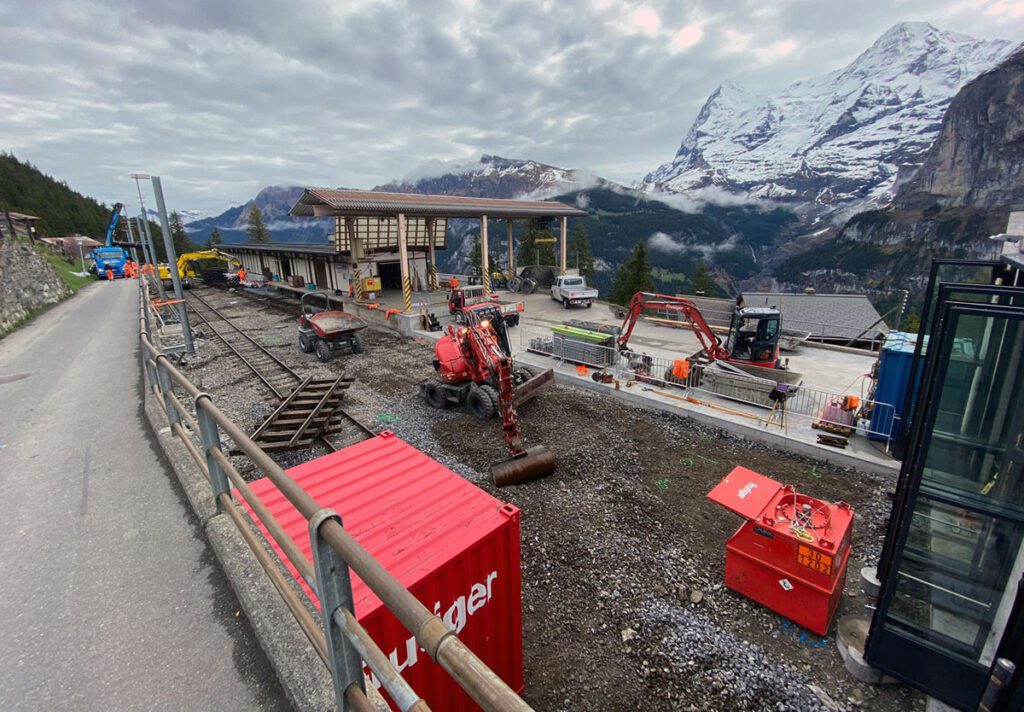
<point>172,264</point>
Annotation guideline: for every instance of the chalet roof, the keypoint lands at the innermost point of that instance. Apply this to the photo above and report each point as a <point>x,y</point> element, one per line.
<point>828,316</point>
<point>326,202</point>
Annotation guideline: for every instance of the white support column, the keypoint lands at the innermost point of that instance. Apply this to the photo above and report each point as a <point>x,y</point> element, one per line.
<point>511,248</point>
<point>432,268</point>
<point>403,262</point>
<point>485,266</point>
<point>561,256</point>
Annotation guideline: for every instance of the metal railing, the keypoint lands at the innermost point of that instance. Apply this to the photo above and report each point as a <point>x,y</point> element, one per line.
<point>818,406</point>
<point>340,641</point>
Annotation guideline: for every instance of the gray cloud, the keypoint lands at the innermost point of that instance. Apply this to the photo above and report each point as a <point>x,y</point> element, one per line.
<point>221,98</point>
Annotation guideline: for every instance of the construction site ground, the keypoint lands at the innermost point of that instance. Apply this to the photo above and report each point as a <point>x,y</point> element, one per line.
<point>622,554</point>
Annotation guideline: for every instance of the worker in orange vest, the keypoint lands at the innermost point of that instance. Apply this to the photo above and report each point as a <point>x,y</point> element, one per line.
<point>242,274</point>
<point>453,282</point>
<point>110,275</point>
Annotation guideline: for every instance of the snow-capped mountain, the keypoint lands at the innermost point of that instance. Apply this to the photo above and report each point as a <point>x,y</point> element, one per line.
<point>496,177</point>
<point>836,139</point>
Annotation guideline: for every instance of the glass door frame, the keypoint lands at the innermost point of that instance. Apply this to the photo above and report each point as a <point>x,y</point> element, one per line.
<point>923,662</point>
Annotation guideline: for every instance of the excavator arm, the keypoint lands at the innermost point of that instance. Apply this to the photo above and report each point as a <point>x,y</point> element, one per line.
<point>213,254</point>
<point>646,300</point>
<point>483,352</point>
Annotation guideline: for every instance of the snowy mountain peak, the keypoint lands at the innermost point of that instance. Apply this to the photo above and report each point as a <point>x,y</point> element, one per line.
<point>837,138</point>
<point>493,177</point>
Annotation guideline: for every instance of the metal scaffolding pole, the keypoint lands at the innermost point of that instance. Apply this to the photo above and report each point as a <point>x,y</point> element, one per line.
<point>172,265</point>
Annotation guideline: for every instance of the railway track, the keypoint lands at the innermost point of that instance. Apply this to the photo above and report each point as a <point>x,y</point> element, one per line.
<point>282,380</point>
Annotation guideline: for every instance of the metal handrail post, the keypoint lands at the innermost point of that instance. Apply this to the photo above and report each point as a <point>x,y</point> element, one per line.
<point>210,434</point>
<point>164,381</point>
<point>334,589</point>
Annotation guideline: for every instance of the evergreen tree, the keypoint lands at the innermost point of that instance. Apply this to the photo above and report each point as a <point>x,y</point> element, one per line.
<point>256,228</point>
<point>911,323</point>
<point>178,235</point>
<point>579,250</point>
<point>633,276</point>
<point>475,258</point>
<point>702,282</point>
<point>214,239</point>
<point>532,252</point>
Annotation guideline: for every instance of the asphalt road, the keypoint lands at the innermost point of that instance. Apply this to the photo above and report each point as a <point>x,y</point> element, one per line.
<point>110,598</point>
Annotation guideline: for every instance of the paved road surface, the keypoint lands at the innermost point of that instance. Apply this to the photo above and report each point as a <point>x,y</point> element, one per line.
<point>110,598</point>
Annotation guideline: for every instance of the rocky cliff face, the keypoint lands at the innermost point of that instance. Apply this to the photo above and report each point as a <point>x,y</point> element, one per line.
<point>978,159</point>
<point>27,282</point>
<point>962,193</point>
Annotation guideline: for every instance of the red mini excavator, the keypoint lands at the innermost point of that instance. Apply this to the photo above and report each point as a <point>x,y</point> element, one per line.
<point>475,368</point>
<point>753,334</point>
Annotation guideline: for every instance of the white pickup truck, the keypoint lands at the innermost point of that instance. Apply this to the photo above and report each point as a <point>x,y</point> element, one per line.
<point>572,290</point>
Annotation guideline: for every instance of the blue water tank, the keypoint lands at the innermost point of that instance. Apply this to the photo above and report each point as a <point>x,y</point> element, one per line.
<point>894,366</point>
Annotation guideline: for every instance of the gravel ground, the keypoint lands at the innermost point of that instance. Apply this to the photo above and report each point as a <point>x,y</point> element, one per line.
<point>622,554</point>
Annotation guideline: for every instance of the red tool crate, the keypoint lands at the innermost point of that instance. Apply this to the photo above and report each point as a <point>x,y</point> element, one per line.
<point>791,553</point>
<point>455,547</point>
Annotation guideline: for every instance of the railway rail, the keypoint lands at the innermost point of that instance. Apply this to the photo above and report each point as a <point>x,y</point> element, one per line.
<point>278,376</point>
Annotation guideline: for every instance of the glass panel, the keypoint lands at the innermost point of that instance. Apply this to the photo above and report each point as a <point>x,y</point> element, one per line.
<point>946,272</point>
<point>953,576</point>
<point>962,553</point>
<point>981,391</point>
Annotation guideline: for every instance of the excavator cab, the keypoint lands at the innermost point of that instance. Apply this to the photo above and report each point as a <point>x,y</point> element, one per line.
<point>754,336</point>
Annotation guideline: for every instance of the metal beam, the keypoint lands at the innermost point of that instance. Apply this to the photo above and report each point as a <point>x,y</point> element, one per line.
<point>561,256</point>
<point>403,261</point>
<point>511,248</point>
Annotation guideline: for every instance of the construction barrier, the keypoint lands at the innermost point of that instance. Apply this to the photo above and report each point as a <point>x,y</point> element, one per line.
<point>831,412</point>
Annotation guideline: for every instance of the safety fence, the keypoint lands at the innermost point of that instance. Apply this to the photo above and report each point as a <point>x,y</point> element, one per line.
<point>774,398</point>
<point>338,638</point>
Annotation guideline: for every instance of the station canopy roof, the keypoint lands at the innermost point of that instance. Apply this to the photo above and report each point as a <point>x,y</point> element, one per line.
<point>326,202</point>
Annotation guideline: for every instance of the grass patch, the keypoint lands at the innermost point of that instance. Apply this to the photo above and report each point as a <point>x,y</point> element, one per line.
<point>67,272</point>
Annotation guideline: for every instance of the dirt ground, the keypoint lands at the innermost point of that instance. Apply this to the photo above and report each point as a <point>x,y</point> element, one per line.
<point>615,543</point>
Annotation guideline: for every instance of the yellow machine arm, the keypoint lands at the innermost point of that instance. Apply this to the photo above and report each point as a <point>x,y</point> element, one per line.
<point>185,260</point>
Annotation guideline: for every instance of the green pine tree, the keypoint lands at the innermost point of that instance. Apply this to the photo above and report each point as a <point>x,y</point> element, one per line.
<point>256,228</point>
<point>911,323</point>
<point>580,255</point>
<point>633,276</point>
<point>533,252</point>
<point>178,235</point>
<point>475,258</point>
<point>702,283</point>
<point>214,239</point>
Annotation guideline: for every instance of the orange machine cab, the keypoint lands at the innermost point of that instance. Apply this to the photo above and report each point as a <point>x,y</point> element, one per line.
<point>791,553</point>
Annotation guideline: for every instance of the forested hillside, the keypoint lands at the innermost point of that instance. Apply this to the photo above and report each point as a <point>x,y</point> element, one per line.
<point>26,189</point>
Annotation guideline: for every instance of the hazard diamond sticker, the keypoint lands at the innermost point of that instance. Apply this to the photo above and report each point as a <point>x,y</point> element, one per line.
<point>786,585</point>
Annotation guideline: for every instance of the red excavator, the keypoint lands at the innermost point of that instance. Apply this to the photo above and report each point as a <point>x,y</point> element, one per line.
<point>753,334</point>
<point>475,368</point>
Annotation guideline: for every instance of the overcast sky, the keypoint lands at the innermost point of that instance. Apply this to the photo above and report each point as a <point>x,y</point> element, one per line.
<point>222,97</point>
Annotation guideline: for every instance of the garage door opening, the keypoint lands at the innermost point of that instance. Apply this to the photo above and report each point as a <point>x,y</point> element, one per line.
<point>390,275</point>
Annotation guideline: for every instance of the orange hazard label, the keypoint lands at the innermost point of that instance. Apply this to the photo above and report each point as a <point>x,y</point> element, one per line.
<point>812,559</point>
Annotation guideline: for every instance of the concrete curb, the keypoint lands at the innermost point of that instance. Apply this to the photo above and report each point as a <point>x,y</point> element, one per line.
<point>300,671</point>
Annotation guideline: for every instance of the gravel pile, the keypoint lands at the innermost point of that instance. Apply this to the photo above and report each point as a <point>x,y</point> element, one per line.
<point>622,553</point>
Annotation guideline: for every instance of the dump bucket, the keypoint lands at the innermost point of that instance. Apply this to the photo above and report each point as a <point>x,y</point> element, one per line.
<point>533,464</point>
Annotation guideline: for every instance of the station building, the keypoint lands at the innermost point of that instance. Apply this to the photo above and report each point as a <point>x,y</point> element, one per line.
<point>389,241</point>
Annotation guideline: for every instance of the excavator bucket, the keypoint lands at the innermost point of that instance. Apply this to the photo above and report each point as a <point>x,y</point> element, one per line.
<point>533,387</point>
<point>533,464</point>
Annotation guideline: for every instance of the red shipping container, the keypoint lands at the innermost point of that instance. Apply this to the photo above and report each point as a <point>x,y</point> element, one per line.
<point>455,547</point>
<point>791,553</point>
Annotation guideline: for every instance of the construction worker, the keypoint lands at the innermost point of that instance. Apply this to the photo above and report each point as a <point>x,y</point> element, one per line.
<point>110,275</point>
<point>453,282</point>
<point>242,274</point>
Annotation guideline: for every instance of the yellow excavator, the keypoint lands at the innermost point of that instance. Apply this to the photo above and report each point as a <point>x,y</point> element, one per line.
<point>186,266</point>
